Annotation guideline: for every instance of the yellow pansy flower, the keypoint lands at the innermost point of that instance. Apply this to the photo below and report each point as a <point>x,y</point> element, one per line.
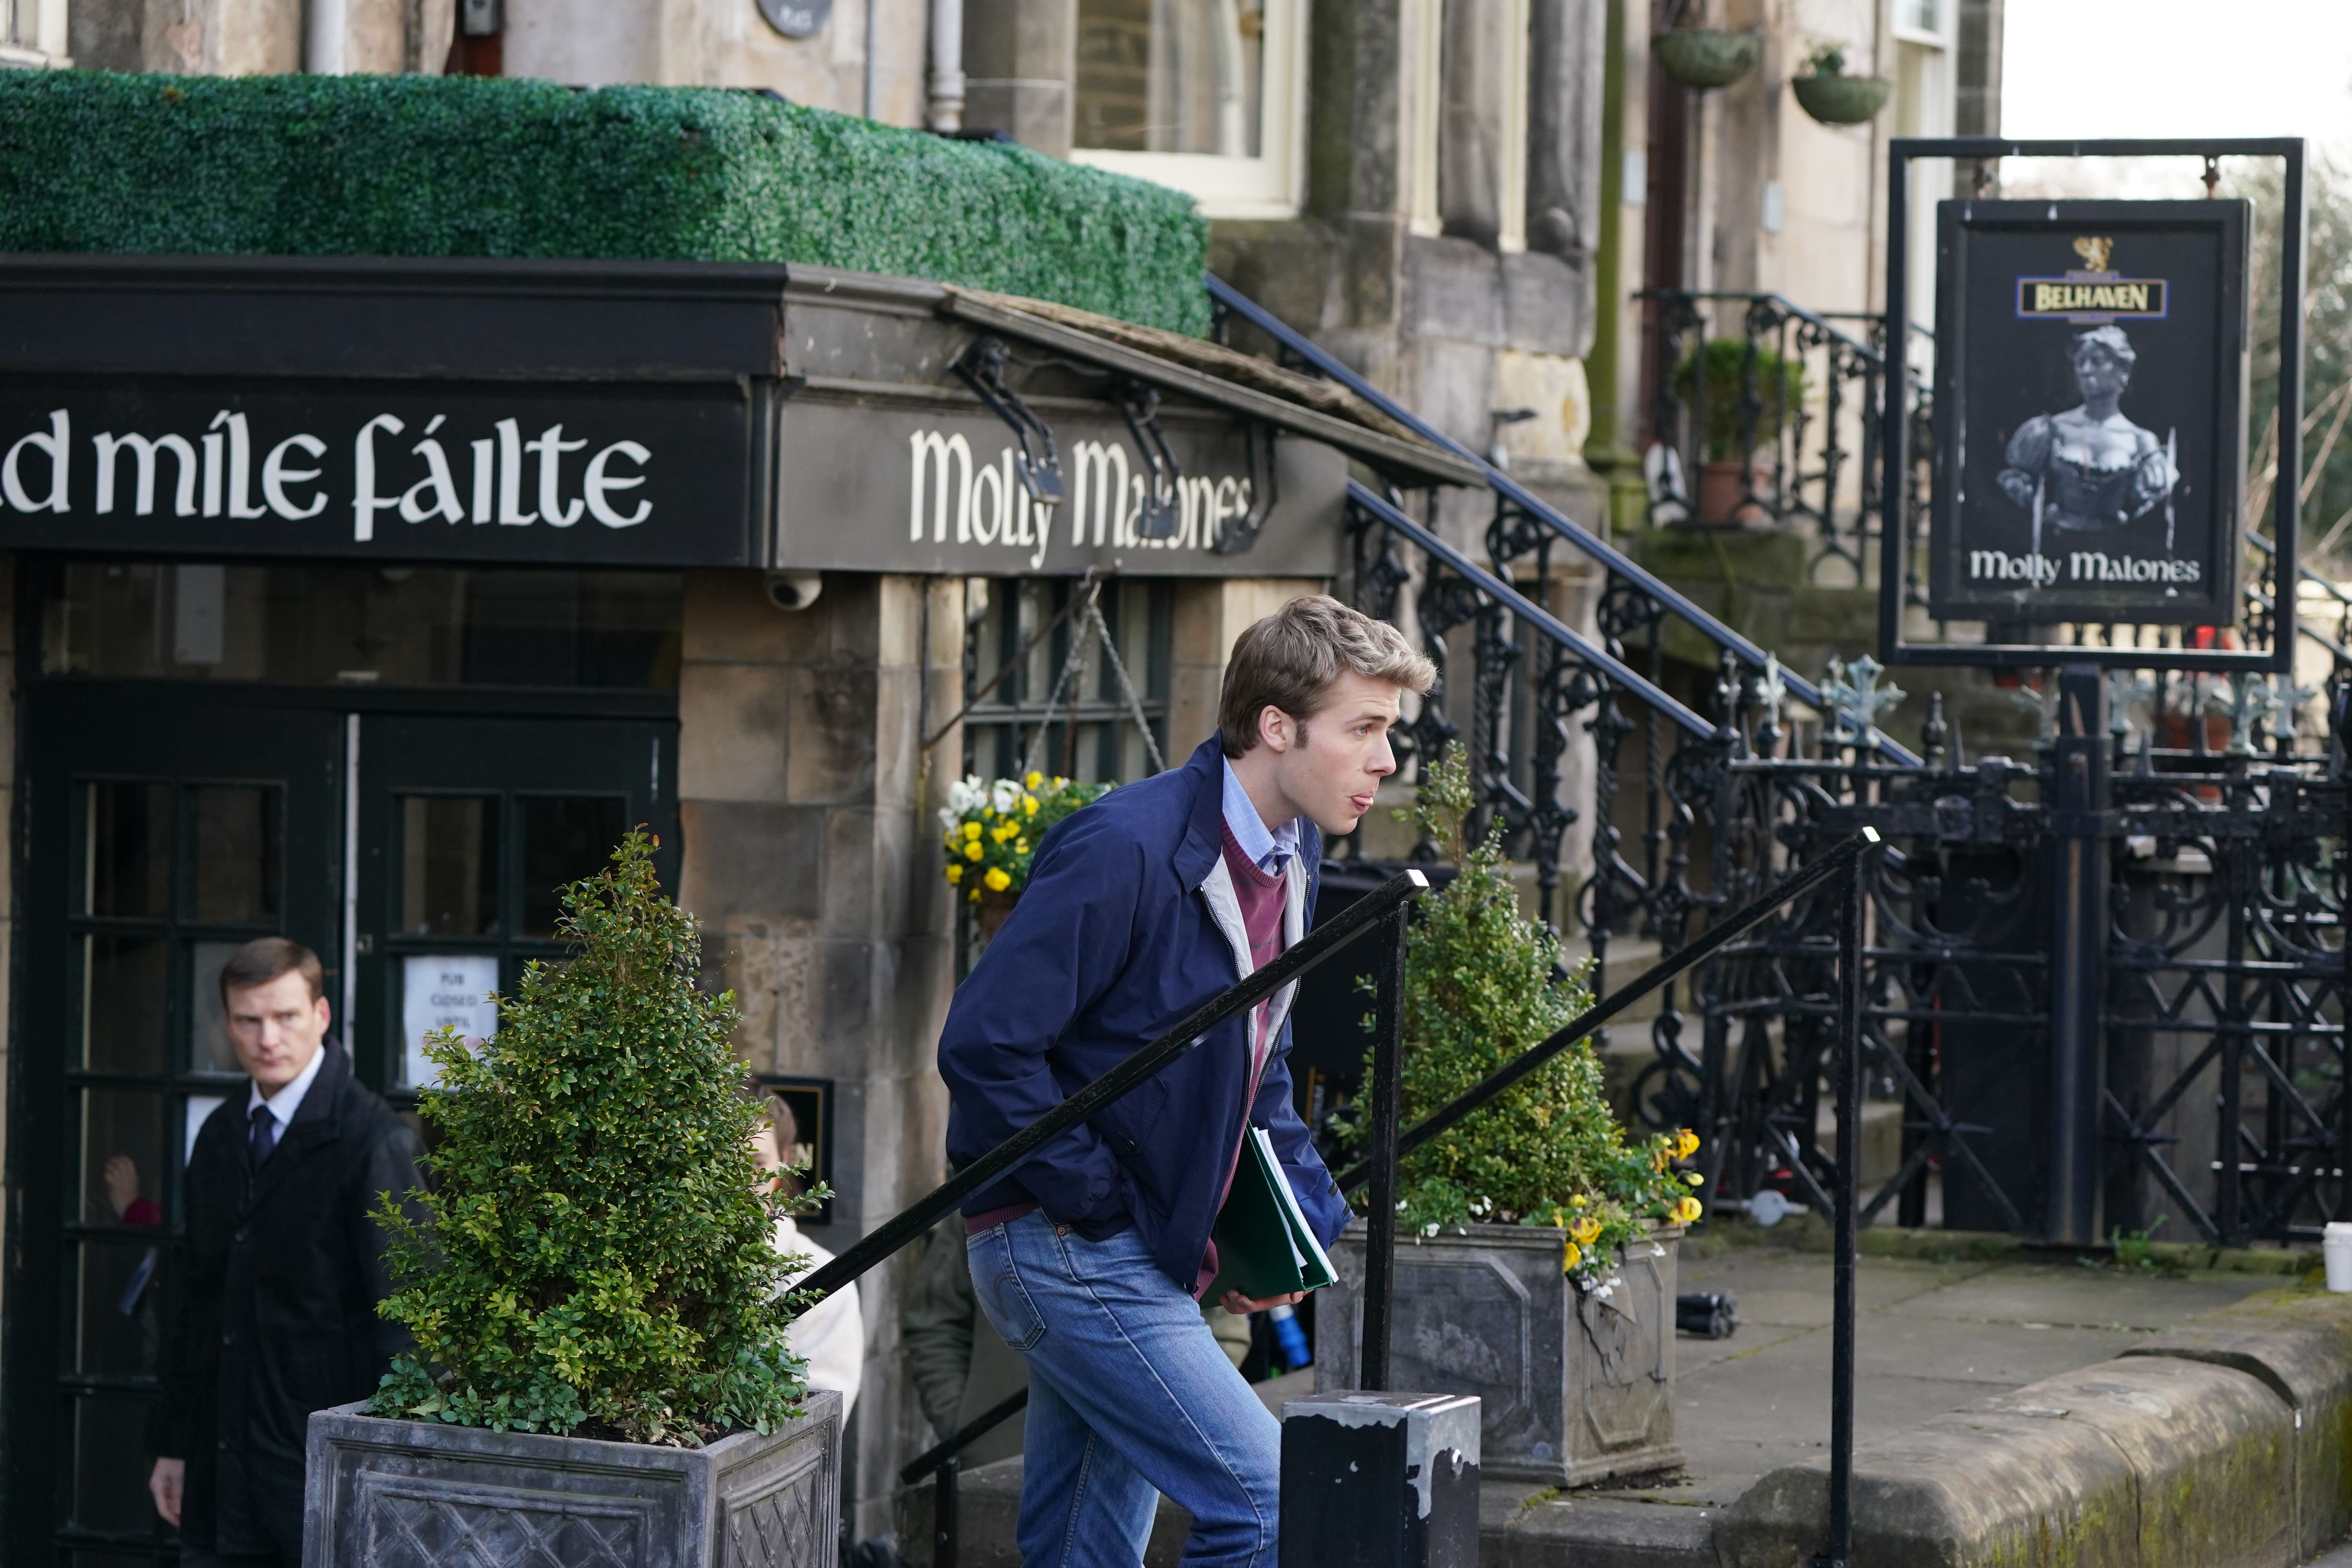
<point>1688,1211</point>
<point>1020,847</point>
<point>998,879</point>
<point>974,896</point>
<point>1570,1255</point>
<point>1005,831</point>
<point>1686,1143</point>
<point>1029,806</point>
<point>972,850</point>
<point>1034,779</point>
<point>955,873</point>
<point>1586,1230</point>
<point>971,830</point>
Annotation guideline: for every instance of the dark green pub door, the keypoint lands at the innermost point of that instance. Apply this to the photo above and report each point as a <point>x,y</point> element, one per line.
<point>415,840</point>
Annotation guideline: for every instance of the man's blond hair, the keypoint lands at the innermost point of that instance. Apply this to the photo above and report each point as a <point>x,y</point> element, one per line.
<point>1291,659</point>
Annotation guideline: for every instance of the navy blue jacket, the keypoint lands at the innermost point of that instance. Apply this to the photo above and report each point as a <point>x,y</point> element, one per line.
<point>1112,942</point>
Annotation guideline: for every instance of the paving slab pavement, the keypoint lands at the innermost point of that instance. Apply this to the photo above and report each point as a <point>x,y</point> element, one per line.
<point>1934,1336</point>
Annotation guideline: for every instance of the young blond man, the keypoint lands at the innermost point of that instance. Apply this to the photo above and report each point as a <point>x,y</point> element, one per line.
<point>1090,1257</point>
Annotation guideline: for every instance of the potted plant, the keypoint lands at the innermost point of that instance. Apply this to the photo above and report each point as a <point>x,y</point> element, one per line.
<point>993,831</point>
<point>1728,466</point>
<point>1824,91</point>
<point>1706,57</point>
<point>1535,1265</point>
<point>600,1373</point>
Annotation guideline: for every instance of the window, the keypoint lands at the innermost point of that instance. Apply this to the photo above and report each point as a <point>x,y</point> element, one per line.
<point>1082,726</point>
<point>33,33</point>
<point>1202,95</point>
<point>1925,21</point>
<point>392,626</point>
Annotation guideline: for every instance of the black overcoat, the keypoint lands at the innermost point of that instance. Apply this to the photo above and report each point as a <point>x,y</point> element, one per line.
<point>284,1267</point>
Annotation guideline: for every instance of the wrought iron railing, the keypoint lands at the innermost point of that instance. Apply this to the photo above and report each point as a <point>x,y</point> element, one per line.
<point>1777,424</point>
<point>2203,1082</point>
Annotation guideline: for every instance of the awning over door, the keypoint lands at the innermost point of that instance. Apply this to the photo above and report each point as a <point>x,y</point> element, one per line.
<point>566,413</point>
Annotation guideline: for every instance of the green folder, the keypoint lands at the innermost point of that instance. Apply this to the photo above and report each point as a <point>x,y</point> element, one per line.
<point>1264,1246</point>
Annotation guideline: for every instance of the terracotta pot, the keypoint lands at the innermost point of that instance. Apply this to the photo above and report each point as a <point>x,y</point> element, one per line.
<point>1722,495</point>
<point>994,909</point>
<point>1841,100</point>
<point>1707,57</point>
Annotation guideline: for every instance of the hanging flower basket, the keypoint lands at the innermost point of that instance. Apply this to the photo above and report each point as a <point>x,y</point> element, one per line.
<point>1841,100</point>
<point>1707,57</point>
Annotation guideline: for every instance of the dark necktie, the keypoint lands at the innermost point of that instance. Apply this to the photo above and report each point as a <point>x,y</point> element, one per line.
<point>261,1137</point>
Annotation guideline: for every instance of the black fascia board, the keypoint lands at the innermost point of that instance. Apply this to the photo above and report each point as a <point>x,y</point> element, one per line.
<point>377,318</point>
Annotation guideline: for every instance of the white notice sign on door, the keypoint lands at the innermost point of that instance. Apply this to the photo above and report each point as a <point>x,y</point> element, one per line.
<point>444,990</point>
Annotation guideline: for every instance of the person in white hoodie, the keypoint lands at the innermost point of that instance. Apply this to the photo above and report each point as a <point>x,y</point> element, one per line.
<point>832,1334</point>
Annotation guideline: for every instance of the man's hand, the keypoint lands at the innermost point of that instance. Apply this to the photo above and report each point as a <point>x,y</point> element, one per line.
<point>121,1178</point>
<point>1241,1305</point>
<point>163,1484</point>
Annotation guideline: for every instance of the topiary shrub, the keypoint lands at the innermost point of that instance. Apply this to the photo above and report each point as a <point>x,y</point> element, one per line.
<point>1482,984</point>
<point>418,165</point>
<point>1780,393</point>
<point>599,1258</point>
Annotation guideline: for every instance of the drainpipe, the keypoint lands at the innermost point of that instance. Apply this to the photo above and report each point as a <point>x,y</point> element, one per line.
<point>325,25</point>
<point>1604,448</point>
<point>946,66</point>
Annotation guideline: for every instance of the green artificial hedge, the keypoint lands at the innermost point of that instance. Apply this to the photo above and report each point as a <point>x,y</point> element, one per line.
<point>313,166</point>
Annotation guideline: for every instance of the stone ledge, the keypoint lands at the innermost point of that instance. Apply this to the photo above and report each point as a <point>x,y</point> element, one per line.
<point>2147,1462</point>
<point>1541,1532</point>
<point>2298,1345</point>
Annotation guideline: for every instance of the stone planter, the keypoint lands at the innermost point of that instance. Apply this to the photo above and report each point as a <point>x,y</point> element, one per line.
<point>1574,1389</point>
<point>1707,57</point>
<point>1841,100</point>
<point>419,1494</point>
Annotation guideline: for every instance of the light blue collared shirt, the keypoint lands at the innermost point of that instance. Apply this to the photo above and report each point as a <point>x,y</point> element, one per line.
<point>1268,849</point>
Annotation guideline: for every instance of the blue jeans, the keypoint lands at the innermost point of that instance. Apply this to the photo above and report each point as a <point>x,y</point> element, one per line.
<point>1129,1395</point>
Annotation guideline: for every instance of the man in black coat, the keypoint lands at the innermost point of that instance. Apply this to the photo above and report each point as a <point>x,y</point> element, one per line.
<point>285,1268</point>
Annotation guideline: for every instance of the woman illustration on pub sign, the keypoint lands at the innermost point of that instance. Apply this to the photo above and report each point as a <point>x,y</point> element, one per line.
<point>2089,469</point>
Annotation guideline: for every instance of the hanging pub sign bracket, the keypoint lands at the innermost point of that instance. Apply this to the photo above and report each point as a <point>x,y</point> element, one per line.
<point>2088,453</point>
<point>1158,513</point>
<point>1241,530</point>
<point>981,368</point>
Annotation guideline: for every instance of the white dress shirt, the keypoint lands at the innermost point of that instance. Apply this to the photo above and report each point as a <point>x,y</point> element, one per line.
<point>831,1335</point>
<point>288,1100</point>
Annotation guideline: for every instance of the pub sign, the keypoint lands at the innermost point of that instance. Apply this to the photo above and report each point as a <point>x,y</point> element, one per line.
<point>630,475</point>
<point>2090,410</point>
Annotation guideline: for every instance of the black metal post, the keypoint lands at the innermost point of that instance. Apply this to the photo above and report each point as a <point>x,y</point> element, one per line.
<point>2078,915</point>
<point>1379,1225</point>
<point>1848,1067</point>
<point>943,1512</point>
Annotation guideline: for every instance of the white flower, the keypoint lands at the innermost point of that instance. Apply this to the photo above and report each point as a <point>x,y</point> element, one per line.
<point>1004,794</point>
<point>1656,1251</point>
<point>965,794</point>
<point>1428,1229</point>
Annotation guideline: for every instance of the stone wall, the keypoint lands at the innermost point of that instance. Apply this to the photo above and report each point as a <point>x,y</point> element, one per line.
<point>820,901</point>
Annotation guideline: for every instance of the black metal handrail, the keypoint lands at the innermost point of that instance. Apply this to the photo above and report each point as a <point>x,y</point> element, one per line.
<point>1368,501</point>
<point>1840,865</point>
<point>1838,862</point>
<point>1745,649</point>
<point>920,1215</point>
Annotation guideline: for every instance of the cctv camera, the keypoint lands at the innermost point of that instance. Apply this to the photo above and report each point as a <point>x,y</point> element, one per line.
<point>793,590</point>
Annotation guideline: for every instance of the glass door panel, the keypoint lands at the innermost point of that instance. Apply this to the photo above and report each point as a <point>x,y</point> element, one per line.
<point>176,832</point>
<point>468,828</point>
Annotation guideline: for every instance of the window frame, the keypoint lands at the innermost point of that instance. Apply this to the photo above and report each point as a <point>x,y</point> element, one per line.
<point>1271,184</point>
<point>1943,37</point>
